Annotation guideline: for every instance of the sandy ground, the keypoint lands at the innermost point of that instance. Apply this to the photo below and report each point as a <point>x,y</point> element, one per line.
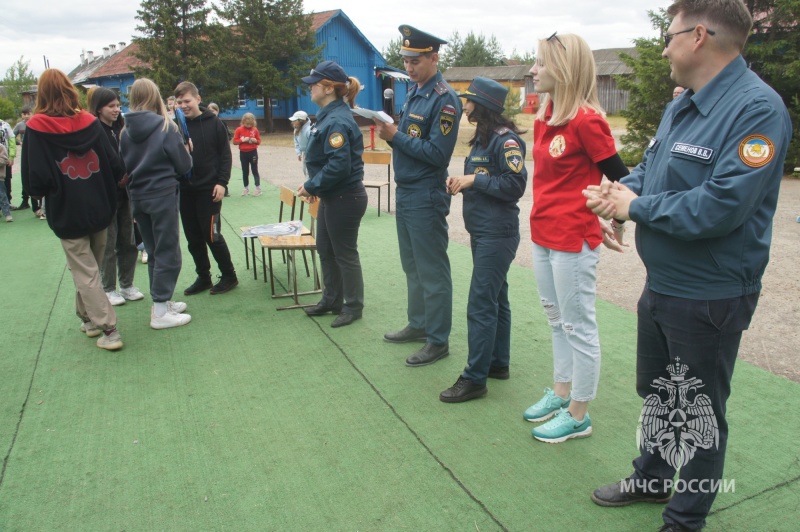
<point>771,343</point>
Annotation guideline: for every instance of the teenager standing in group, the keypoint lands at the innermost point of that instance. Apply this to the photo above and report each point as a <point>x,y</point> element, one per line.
<point>201,195</point>
<point>336,175</point>
<point>156,159</point>
<point>121,252</point>
<point>68,159</point>
<point>494,179</point>
<point>572,149</point>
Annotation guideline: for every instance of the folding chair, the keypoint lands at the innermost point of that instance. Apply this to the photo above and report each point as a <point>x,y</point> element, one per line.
<point>380,157</point>
<point>290,245</point>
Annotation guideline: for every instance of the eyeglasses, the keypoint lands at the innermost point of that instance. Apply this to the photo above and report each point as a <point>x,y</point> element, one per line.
<point>668,37</point>
<point>553,36</point>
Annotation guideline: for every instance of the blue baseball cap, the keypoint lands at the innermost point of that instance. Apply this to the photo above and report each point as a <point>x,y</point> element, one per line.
<point>326,70</point>
<point>488,93</point>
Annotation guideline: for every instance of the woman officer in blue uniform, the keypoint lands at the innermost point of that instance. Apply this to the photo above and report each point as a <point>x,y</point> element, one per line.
<point>335,176</point>
<point>495,180</point>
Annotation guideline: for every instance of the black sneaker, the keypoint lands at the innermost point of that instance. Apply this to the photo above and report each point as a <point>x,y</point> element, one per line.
<point>201,284</point>
<point>463,390</point>
<point>627,492</point>
<point>226,283</point>
<point>22,207</point>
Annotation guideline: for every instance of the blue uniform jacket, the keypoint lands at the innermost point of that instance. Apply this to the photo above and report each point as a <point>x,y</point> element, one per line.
<point>708,187</point>
<point>333,155</point>
<point>490,205</point>
<point>426,135</point>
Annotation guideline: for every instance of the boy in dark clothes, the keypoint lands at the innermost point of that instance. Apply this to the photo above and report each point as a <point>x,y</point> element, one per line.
<point>201,197</point>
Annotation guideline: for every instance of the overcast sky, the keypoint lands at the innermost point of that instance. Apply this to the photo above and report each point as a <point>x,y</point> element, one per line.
<point>59,30</point>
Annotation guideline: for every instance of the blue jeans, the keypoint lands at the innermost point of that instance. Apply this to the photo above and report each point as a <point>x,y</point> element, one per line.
<point>488,310</point>
<point>422,235</point>
<point>567,285</point>
<point>699,340</point>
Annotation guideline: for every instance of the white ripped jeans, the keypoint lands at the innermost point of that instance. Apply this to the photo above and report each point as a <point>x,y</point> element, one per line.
<point>567,285</point>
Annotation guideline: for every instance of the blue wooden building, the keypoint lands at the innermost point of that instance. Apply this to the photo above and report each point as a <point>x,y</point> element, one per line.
<point>341,40</point>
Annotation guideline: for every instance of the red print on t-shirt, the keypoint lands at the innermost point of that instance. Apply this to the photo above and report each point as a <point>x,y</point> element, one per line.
<point>77,166</point>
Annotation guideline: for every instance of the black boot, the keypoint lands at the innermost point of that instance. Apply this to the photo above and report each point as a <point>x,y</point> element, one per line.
<point>226,284</point>
<point>201,284</point>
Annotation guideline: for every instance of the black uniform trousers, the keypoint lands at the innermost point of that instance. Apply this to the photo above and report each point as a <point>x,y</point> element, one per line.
<point>338,221</point>
<point>702,337</point>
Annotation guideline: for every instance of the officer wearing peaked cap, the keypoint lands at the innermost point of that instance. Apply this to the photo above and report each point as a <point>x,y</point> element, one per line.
<point>423,142</point>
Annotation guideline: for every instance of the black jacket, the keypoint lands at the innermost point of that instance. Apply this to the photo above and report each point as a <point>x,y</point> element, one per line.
<point>71,163</point>
<point>211,153</point>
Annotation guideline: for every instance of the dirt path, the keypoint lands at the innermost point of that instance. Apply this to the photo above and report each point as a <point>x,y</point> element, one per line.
<point>772,341</point>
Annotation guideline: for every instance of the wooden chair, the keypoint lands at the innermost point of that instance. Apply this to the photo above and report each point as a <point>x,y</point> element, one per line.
<point>290,245</point>
<point>288,204</point>
<point>380,157</point>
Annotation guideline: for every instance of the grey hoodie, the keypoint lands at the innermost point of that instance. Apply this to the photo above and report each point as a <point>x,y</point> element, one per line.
<point>154,158</point>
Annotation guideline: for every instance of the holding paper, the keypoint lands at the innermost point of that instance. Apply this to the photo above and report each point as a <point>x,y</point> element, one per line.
<point>373,115</point>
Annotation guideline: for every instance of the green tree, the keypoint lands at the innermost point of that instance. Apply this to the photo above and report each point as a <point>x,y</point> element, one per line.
<point>650,89</point>
<point>525,58</point>
<point>392,54</point>
<point>472,51</point>
<point>179,44</point>
<point>274,47</point>
<point>7,112</point>
<point>773,52</point>
<point>18,78</point>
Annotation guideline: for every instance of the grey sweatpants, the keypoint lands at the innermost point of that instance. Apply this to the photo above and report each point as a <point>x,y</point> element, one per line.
<point>158,223</point>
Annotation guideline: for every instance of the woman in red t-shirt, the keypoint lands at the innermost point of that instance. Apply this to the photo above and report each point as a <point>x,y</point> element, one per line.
<point>572,148</point>
<point>248,139</point>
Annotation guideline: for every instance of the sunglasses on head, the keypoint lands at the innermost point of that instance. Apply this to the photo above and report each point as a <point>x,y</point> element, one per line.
<point>554,36</point>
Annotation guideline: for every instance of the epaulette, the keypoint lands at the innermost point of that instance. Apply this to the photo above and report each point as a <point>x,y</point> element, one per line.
<point>441,88</point>
<point>502,130</point>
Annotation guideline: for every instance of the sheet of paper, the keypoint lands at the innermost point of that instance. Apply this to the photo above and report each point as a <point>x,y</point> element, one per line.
<point>368,113</point>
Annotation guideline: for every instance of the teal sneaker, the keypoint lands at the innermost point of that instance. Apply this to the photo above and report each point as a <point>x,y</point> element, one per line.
<point>562,428</point>
<point>545,407</point>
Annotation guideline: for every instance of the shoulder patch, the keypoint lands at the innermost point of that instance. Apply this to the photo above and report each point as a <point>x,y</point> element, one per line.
<point>510,143</point>
<point>514,160</point>
<point>756,151</point>
<point>336,140</point>
<point>441,88</point>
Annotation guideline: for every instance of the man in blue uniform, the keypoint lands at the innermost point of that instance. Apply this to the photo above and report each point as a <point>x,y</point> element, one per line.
<point>423,143</point>
<point>703,200</point>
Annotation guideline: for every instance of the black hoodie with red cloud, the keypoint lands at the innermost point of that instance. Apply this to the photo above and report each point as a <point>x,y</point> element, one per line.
<point>70,162</point>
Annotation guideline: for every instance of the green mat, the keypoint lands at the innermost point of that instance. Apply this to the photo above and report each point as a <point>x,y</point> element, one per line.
<point>251,418</point>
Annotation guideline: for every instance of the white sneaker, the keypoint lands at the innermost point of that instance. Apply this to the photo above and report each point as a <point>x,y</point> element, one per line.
<point>90,329</point>
<point>144,257</point>
<point>9,218</point>
<point>246,191</point>
<point>169,320</point>
<point>176,306</point>
<point>257,192</point>
<point>115,299</point>
<point>112,341</point>
<point>131,294</point>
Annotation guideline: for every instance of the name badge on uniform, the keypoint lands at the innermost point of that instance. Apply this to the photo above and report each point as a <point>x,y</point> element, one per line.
<point>698,152</point>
